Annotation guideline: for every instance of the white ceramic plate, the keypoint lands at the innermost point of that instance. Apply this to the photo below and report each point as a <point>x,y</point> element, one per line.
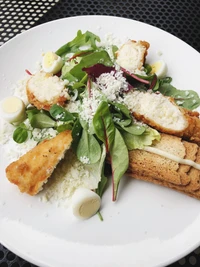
<point>148,225</point>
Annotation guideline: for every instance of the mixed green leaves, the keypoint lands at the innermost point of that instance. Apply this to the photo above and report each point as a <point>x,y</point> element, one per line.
<point>106,131</point>
<point>86,53</point>
<point>113,125</point>
<point>185,98</point>
<point>82,39</point>
<point>74,71</point>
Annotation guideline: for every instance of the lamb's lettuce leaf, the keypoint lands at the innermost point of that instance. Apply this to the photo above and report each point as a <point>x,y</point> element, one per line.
<point>20,134</point>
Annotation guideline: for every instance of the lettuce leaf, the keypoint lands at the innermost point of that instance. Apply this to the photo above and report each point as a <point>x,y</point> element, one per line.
<point>140,141</point>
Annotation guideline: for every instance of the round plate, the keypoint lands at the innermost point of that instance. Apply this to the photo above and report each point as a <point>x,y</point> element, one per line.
<point>148,225</point>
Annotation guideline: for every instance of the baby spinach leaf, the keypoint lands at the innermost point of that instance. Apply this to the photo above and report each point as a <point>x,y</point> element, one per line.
<point>76,134</point>
<point>88,148</point>
<point>121,122</point>
<point>102,184</point>
<point>103,125</point>
<point>121,108</point>
<point>100,168</point>
<point>185,98</point>
<point>119,161</point>
<point>41,121</point>
<point>60,113</point>
<point>20,134</point>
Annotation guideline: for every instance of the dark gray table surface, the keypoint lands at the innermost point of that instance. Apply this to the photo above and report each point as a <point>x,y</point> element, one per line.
<point>180,18</point>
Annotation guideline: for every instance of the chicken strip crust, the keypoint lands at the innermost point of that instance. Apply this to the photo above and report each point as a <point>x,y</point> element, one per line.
<point>164,115</point>
<point>34,168</point>
<point>132,55</point>
<point>44,90</point>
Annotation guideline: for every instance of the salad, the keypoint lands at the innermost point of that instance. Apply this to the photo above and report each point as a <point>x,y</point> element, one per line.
<point>82,88</point>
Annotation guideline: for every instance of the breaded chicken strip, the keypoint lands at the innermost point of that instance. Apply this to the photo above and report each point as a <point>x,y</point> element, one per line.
<point>131,55</point>
<point>33,169</point>
<point>164,115</point>
<point>43,90</point>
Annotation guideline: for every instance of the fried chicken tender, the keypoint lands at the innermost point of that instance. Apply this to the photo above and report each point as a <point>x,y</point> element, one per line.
<point>163,114</point>
<point>132,55</point>
<point>34,168</point>
<point>43,90</point>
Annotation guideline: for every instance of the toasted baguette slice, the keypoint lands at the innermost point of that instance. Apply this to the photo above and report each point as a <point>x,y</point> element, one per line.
<point>43,90</point>
<point>154,168</point>
<point>164,115</point>
<point>33,169</point>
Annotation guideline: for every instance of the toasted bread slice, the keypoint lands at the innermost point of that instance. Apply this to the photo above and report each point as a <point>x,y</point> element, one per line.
<point>160,170</point>
<point>195,194</point>
<point>33,169</point>
<point>43,90</point>
<point>153,165</point>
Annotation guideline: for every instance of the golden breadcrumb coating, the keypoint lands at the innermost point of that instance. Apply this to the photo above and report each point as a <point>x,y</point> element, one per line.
<point>44,90</point>
<point>33,169</point>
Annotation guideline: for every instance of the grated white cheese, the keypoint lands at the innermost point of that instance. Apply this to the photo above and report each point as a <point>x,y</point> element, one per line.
<point>69,175</point>
<point>73,106</point>
<point>90,104</point>
<point>85,160</point>
<point>40,134</point>
<point>112,84</point>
